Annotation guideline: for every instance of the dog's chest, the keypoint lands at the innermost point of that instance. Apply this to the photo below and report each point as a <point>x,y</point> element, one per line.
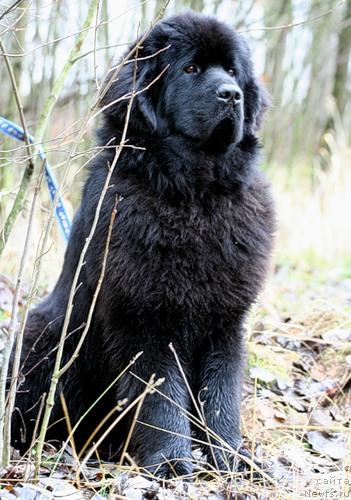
<point>189,257</point>
<point>199,251</point>
<point>193,234</point>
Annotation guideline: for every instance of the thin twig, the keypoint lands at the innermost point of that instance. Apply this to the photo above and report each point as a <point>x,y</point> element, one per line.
<point>102,421</point>
<point>36,425</point>
<point>11,8</point>
<point>127,96</point>
<point>134,421</point>
<point>141,397</point>
<point>12,328</point>
<point>69,429</point>
<point>96,293</point>
<point>115,380</point>
<point>11,26</point>
<point>103,47</point>
<point>294,25</point>
<point>200,413</point>
<point>95,44</point>
<point>70,35</point>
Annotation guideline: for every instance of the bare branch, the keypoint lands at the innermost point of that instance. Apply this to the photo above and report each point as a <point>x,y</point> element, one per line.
<point>11,8</point>
<point>27,175</point>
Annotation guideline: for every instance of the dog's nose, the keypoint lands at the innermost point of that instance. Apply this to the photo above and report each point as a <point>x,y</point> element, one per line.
<point>229,92</point>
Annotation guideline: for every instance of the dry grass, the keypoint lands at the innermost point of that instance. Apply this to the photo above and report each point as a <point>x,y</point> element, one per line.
<point>313,206</point>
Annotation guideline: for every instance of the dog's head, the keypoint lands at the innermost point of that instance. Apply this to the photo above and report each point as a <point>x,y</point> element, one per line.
<point>191,75</point>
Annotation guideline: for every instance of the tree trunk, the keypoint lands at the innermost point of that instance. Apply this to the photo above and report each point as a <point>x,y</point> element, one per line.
<point>340,91</point>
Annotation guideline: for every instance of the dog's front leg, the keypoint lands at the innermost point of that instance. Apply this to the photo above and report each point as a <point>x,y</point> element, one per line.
<point>219,382</point>
<point>161,438</point>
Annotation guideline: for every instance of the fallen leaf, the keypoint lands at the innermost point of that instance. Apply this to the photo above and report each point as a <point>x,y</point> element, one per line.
<point>295,455</point>
<point>292,400</point>
<point>279,415</point>
<point>321,416</point>
<point>337,335</point>
<point>332,445</point>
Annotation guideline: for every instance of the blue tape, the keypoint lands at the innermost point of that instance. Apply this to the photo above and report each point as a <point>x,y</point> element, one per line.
<point>16,132</point>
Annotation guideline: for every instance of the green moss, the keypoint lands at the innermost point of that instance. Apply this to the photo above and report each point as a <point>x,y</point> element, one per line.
<point>277,361</point>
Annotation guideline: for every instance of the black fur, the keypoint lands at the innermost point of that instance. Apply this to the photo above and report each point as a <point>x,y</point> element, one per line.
<point>188,255</point>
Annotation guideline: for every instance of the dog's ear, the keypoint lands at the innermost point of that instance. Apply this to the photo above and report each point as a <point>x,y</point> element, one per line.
<point>143,98</point>
<point>133,75</point>
<point>257,101</point>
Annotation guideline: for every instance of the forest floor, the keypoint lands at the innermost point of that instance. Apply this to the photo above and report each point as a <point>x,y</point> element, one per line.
<point>295,418</point>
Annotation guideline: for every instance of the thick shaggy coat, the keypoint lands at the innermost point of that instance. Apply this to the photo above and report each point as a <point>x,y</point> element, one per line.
<point>188,254</point>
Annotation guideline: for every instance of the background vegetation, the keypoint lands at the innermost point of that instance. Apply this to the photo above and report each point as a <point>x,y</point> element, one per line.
<point>301,50</point>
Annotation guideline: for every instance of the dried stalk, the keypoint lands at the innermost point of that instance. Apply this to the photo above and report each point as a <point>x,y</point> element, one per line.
<point>5,430</point>
<point>198,408</point>
<point>148,390</point>
<point>135,418</point>
<point>96,293</point>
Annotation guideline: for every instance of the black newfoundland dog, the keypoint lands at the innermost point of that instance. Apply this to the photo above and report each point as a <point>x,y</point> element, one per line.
<point>189,251</point>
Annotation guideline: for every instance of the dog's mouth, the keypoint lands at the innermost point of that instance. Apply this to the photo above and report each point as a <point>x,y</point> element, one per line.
<point>228,131</point>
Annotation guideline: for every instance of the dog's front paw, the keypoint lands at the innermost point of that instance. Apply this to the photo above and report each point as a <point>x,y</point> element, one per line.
<point>236,460</point>
<point>168,467</point>
<point>240,460</point>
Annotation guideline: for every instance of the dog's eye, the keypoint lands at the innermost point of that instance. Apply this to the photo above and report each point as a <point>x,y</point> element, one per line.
<point>192,68</point>
<point>231,71</point>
